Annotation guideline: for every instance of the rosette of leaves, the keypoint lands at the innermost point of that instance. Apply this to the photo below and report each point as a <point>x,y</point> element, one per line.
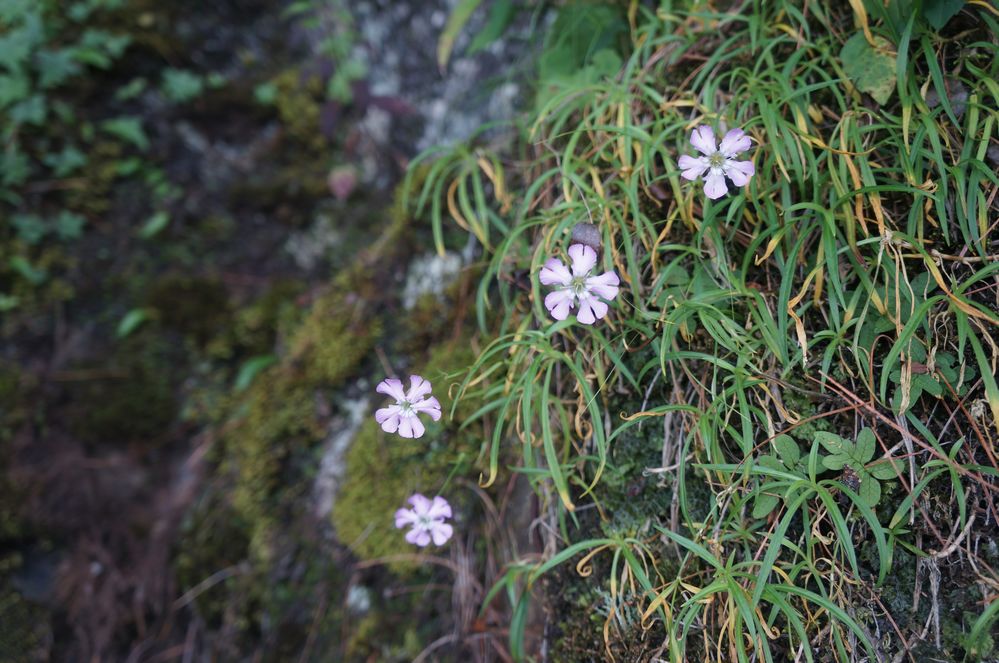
<point>787,458</point>
<point>856,455</point>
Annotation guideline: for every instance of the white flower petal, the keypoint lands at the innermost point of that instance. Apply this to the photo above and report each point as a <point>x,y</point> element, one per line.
<point>605,285</point>
<point>404,517</point>
<point>703,140</point>
<point>429,406</point>
<point>391,423</point>
<point>383,414</point>
<point>555,273</point>
<point>739,171</point>
<point>421,504</point>
<point>586,313</point>
<point>591,309</point>
<point>441,532</point>
<point>692,167</point>
<point>391,387</point>
<point>714,184</point>
<point>735,142</point>
<point>439,509</point>
<point>584,259</point>
<point>418,536</point>
<point>559,302</point>
<point>418,388</point>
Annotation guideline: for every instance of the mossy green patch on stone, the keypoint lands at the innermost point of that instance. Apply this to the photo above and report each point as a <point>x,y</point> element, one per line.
<point>337,333</point>
<point>280,420</point>
<point>256,326</point>
<point>383,470</point>
<point>299,105</point>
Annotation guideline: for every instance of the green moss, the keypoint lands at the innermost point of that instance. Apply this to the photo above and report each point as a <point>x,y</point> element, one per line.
<point>255,327</point>
<point>381,472</point>
<point>280,421</point>
<point>445,368</point>
<point>299,105</point>
<point>336,335</point>
<point>370,640</point>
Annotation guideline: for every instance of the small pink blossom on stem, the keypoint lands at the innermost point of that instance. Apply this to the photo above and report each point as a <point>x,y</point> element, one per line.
<point>717,160</point>
<point>578,286</point>
<point>402,416</point>
<point>425,520</point>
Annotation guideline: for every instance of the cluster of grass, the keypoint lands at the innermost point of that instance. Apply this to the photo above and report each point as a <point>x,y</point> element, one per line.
<point>822,341</point>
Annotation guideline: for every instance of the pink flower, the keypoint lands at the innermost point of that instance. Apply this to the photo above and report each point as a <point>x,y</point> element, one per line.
<point>578,286</point>
<point>719,162</point>
<point>402,416</point>
<point>426,520</point>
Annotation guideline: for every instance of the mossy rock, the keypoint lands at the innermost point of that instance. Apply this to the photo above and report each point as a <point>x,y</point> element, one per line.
<point>373,639</point>
<point>382,471</point>
<point>335,336</point>
<point>256,326</point>
<point>299,105</point>
<point>279,421</point>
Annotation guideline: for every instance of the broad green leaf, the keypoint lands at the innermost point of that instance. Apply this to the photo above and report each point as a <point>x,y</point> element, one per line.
<point>833,443</point>
<point>765,503</point>
<point>30,227</point>
<point>65,162</point>
<point>180,85</point>
<point>871,68</point>
<point>925,383</point>
<point>69,225</point>
<point>788,450</point>
<point>938,12</point>
<point>835,461</point>
<point>54,67</point>
<point>870,490</point>
<point>885,469</point>
<point>265,94</point>
<point>866,445</point>
<point>770,462</point>
<point>13,88</point>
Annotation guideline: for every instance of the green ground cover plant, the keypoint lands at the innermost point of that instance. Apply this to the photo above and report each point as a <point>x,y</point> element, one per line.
<point>818,346</point>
